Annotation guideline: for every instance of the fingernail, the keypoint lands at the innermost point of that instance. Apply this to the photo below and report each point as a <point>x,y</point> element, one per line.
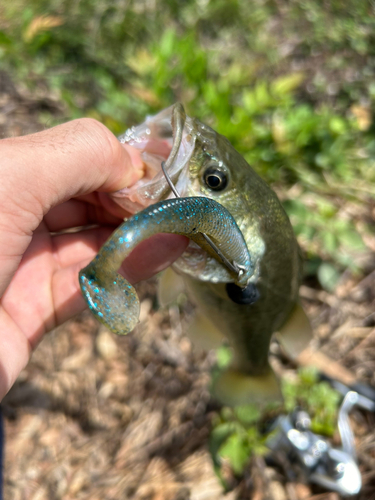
<point>139,167</point>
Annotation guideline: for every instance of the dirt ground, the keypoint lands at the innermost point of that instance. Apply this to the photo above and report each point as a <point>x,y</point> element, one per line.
<point>95,416</point>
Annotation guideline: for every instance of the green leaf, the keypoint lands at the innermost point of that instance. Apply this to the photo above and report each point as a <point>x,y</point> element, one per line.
<point>217,437</point>
<point>4,39</point>
<point>338,125</point>
<point>247,414</point>
<point>167,42</point>
<point>286,84</point>
<point>328,276</point>
<point>236,450</point>
<point>329,241</point>
<point>350,238</point>
<point>308,376</point>
<point>224,356</point>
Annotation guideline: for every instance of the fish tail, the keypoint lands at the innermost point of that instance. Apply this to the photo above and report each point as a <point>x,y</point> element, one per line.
<point>234,387</point>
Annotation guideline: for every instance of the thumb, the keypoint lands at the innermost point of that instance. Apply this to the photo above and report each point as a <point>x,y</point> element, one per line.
<point>76,158</point>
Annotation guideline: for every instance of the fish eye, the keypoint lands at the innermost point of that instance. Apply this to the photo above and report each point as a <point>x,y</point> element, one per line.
<point>215,179</point>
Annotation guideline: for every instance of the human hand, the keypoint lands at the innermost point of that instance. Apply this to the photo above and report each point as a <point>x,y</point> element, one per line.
<point>52,181</point>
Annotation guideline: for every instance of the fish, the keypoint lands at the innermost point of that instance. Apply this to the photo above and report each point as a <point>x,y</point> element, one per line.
<point>242,266</point>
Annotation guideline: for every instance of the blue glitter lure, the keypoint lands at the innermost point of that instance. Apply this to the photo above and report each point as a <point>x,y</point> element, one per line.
<point>113,299</point>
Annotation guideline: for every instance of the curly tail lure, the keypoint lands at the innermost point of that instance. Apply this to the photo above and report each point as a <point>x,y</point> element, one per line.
<point>113,299</point>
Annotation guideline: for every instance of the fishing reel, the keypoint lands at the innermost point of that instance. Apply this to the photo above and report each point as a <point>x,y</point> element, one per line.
<point>333,468</point>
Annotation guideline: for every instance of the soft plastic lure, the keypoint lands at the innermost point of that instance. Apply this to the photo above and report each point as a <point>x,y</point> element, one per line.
<point>113,299</point>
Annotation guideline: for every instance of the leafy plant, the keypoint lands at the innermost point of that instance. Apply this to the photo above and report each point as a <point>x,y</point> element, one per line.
<point>242,432</point>
<point>317,398</point>
<point>236,437</point>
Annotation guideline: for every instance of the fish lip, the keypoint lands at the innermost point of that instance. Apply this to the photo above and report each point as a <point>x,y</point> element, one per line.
<point>154,187</point>
<point>199,264</point>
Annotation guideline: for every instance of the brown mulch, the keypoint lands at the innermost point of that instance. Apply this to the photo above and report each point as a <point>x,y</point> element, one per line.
<point>95,416</point>
<point>20,111</point>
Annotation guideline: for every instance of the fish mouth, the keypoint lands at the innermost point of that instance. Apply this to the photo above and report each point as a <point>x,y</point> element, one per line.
<point>169,137</point>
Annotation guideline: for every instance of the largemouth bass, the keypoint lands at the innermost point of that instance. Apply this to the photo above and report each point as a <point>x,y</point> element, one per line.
<point>244,293</point>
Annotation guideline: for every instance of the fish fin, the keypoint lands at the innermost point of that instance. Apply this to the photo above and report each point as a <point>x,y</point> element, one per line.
<point>169,287</point>
<point>234,388</point>
<point>296,333</point>
<point>203,333</point>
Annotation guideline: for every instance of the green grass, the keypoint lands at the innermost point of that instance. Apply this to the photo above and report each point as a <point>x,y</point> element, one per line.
<point>289,83</point>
